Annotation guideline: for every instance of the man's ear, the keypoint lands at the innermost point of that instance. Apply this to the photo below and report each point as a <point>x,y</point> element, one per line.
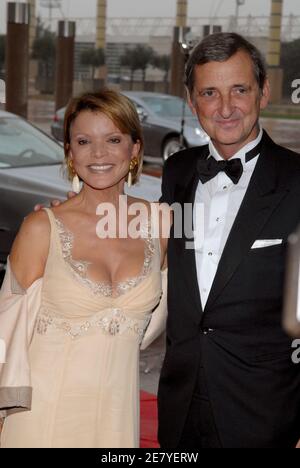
<point>265,97</point>
<point>190,101</point>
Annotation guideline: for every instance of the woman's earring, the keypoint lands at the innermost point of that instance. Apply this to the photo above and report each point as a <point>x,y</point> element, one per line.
<point>76,184</point>
<point>133,163</point>
<point>129,180</point>
<point>75,180</point>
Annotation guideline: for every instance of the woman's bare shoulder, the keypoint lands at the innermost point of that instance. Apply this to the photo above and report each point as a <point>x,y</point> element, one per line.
<point>30,248</point>
<point>35,223</point>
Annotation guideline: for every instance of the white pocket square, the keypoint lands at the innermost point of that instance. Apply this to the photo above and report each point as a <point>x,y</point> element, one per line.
<point>260,244</point>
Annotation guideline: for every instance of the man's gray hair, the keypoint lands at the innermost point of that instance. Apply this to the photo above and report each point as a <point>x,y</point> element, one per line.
<point>220,47</point>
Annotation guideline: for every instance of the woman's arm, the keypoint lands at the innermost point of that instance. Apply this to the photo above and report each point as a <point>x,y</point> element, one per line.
<point>159,316</point>
<point>30,249</point>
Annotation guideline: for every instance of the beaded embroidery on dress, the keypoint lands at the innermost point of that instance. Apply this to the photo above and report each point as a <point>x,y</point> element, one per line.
<point>84,354</point>
<point>80,268</point>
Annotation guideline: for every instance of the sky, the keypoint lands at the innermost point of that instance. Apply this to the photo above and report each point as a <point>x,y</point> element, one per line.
<point>162,8</point>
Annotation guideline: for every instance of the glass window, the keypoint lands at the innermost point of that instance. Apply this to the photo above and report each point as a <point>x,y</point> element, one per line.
<point>167,106</point>
<point>22,145</point>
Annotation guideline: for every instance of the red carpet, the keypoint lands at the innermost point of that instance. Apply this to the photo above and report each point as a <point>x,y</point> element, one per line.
<point>148,421</point>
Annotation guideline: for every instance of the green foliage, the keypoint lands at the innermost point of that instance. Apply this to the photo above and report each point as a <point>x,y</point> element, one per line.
<point>138,58</point>
<point>163,62</point>
<point>44,47</point>
<point>93,58</point>
<point>44,50</point>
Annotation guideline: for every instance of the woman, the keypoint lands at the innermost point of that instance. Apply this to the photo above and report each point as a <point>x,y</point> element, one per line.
<point>75,305</point>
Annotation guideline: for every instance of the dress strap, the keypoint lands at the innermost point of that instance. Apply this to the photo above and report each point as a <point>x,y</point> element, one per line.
<point>50,216</point>
<point>55,245</point>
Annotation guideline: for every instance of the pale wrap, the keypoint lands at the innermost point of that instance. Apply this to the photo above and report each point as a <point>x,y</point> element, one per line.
<point>18,311</point>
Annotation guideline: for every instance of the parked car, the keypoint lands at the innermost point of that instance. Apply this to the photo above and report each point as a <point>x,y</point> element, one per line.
<point>161,116</point>
<point>31,172</point>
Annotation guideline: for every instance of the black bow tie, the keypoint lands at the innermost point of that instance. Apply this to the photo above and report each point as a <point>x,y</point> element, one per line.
<point>233,168</point>
<point>209,168</point>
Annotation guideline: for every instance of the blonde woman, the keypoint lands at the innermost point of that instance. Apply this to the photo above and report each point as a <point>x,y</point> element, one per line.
<point>75,305</point>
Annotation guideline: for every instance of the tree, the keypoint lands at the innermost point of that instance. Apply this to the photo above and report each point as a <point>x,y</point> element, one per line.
<point>2,52</point>
<point>44,50</point>
<point>290,62</point>
<point>130,59</point>
<point>93,58</point>
<point>163,62</point>
<point>137,58</point>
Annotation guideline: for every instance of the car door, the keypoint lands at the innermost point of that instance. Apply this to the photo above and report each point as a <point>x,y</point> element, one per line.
<point>13,208</point>
<point>151,139</point>
<point>22,149</point>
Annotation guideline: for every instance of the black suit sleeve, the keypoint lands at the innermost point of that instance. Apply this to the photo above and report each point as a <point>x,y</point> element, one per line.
<point>167,187</point>
<point>178,170</point>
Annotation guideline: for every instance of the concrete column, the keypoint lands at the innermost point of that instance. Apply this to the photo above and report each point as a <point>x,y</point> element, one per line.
<point>17,46</point>
<point>274,51</point>
<point>101,24</point>
<point>181,14</point>
<point>64,63</point>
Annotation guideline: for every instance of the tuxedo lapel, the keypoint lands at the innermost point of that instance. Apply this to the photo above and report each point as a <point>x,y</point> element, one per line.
<point>185,194</point>
<point>262,197</point>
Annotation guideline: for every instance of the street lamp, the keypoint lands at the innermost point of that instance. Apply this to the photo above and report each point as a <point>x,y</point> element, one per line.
<point>51,5</point>
<point>237,7</point>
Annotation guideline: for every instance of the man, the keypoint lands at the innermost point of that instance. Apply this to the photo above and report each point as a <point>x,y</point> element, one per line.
<point>228,379</point>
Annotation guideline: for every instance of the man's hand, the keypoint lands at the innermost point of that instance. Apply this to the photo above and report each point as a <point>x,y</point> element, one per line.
<point>55,203</point>
<point>298,445</point>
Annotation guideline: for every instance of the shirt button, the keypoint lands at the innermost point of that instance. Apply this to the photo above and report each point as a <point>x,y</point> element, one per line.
<point>225,187</point>
<point>218,219</point>
<point>210,254</point>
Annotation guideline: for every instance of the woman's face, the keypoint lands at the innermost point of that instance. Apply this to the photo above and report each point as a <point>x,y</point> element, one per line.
<point>100,152</point>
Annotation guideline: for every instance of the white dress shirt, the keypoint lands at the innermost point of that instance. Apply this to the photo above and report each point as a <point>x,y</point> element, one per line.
<point>221,200</point>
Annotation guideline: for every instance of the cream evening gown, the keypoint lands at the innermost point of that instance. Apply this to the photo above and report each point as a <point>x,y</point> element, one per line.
<point>84,354</point>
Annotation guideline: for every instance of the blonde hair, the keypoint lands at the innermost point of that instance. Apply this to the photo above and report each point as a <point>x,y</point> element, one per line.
<point>118,108</point>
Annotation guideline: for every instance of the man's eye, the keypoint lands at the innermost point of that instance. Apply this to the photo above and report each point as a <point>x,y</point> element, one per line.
<point>82,142</point>
<point>208,93</point>
<point>241,90</point>
<point>115,140</point>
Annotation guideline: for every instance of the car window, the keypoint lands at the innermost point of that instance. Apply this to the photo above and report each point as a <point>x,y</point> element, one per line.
<point>167,106</point>
<point>23,145</point>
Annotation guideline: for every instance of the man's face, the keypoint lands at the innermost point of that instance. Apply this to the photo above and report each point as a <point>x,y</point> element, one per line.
<point>227,101</point>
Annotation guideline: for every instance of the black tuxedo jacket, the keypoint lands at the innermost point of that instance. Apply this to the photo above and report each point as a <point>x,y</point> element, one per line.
<point>253,385</point>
